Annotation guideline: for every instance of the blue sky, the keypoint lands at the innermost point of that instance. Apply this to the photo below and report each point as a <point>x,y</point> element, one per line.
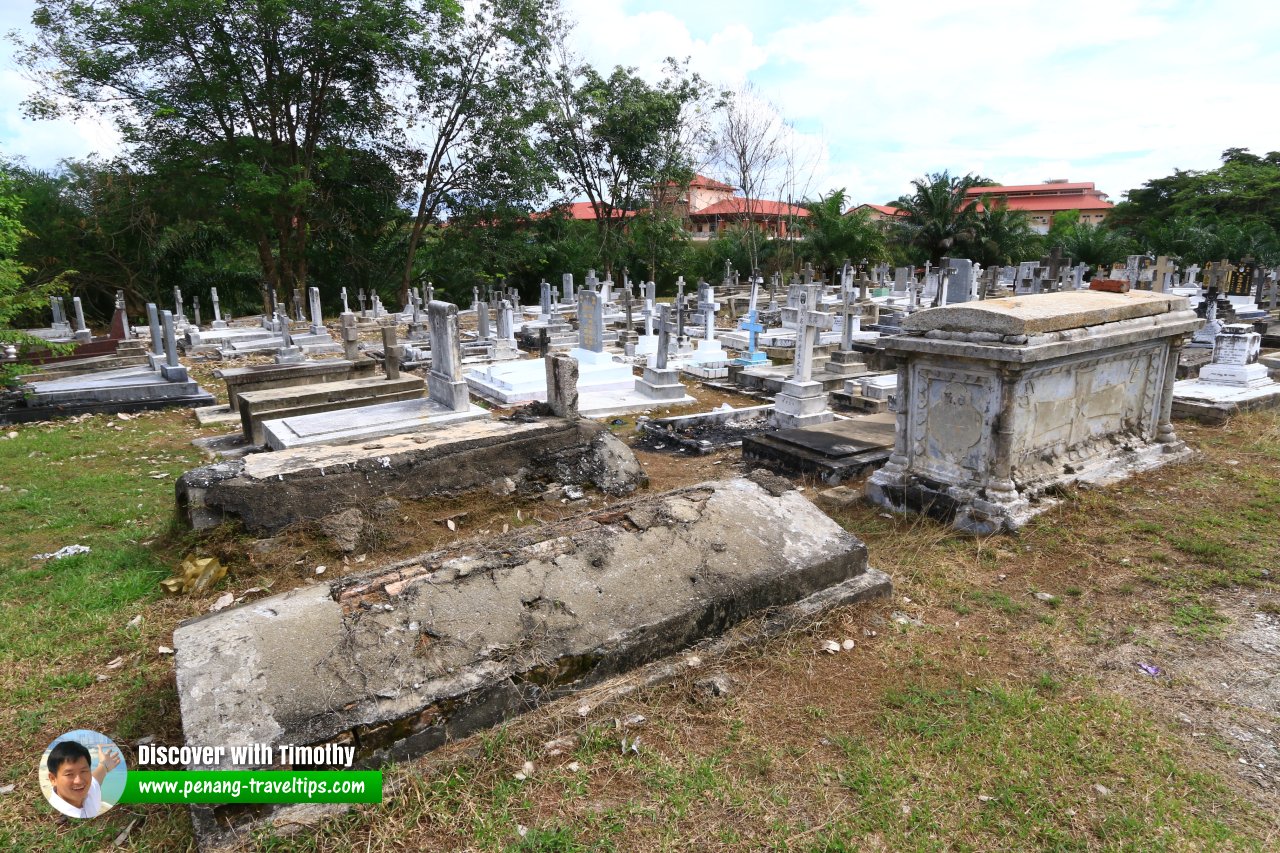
<point>881,91</point>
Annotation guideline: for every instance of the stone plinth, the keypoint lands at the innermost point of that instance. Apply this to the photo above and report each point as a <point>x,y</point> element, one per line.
<point>1001,402</point>
<point>800,404</point>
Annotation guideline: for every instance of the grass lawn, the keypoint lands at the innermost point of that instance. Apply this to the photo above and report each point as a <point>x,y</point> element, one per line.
<point>971,714</point>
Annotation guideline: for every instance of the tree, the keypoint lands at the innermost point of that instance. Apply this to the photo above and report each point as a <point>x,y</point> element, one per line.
<point>620,142</point>
<point>16,296</point>
<point>1201,216</point>
<point>479,89</point>
<point>1000,235</point>
<point>940,214</point>
<point>247,94</point>
<point>751,149</point>
<point>1091,243</point>
<point>831,236</point>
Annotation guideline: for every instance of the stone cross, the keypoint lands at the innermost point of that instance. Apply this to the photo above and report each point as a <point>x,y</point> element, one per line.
<point>848,311</point>
<point>775,282</point>
<point>679,287</point>
<point>391,352</point>
<point>664,337</point>
<point>431,292</point>
<point>808,273</point>
<point>708,306</point>
<point>346,309</point>
<point>195,309</point>
<point>350,336</point>
<point>751,323</point>
<point>362,298</point>
<point>1162,272</point>
<point>590,320</point>
<point>283,321</point>
<point>217,305</point>
<point>1192,272</point>
<point>1054,264</point>
<point>591,282</point>
<point>811,323</point>
<point>178,309</point>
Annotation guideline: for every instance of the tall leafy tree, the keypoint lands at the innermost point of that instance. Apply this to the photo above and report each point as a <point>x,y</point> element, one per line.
<point>250,93</point>
<point>478,89</point>
<point>618,141</point>
<point>831,236</point>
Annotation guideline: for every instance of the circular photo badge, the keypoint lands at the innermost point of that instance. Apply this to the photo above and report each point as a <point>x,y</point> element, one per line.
<point>82,773</point>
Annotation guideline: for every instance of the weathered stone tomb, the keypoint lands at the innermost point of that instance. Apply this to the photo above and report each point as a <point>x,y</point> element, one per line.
<point>999,403</point>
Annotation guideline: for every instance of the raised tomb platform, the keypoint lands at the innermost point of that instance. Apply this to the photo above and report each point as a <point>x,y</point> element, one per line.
<point>403,659</point>
<point>1001,402</point>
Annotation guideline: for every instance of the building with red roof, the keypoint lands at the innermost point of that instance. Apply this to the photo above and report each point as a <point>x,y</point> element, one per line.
<point>1041,201</point>
<point>878,212</point>
<point>774,218</point>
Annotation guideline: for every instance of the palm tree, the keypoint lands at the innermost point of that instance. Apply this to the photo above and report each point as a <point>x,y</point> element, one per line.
<point>831,236</point>
<point>1093,244</point>
<point>1001,236</point>
<point>939,213</point>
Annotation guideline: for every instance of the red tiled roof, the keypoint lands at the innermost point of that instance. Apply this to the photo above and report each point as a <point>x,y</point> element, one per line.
<point>1064,202</point>
<point>1023,189</point>
<point>737,206</point>
<point>705,183</point>
<point>585,210</point>
<point>879,208</point>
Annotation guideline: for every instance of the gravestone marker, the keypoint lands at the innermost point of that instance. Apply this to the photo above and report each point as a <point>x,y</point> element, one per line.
<point>445,384</point>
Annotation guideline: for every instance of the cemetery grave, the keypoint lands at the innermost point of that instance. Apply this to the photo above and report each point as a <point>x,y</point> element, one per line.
<point>367,478</point>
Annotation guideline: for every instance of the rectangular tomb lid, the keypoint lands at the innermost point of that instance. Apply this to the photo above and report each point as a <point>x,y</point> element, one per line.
<point>1043,312</point>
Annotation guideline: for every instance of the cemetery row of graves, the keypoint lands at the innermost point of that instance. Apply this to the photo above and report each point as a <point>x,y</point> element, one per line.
<point>637,488</point>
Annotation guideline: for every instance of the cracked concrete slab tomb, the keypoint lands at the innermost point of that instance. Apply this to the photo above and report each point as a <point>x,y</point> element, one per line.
<point>398,661</point>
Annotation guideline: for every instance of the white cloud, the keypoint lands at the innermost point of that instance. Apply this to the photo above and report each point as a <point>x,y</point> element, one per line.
<point>1112,91</point>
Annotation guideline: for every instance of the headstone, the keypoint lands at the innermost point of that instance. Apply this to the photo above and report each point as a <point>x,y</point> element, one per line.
<point>1192,272</point>
<point>753,327</point>
<point>445,384</point>
<point>172,369</point>
<point>80,330</point>
<point>482,320</point>
<point>1235,358</point>
<point>157,342</point>
<point>545,313</point>
<point>179,312</point>
<point>562,385</point>
<point>345,307</point>
<point>566,287</point>
<point>391,352</point>
<point>350,336</point>
<point>590,318</point>
<point>802,401</point>
<point>708,307</point>
<point>363,303</point>
<point>1162,275</point>
<point>317,320</point>
<point>218,322</point>
<point>959,280</point>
